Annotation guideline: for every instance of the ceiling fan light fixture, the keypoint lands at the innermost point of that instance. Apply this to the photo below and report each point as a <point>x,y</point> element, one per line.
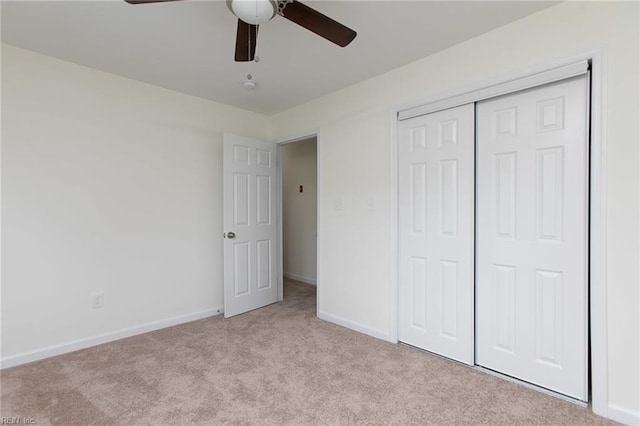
<point>254,12</point>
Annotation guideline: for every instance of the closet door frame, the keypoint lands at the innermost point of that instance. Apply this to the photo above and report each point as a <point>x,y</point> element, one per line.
<point>507,83</point>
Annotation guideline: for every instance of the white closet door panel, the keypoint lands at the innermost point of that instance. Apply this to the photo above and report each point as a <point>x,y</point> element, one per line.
<point>436,232</point>
<point>531,262</point>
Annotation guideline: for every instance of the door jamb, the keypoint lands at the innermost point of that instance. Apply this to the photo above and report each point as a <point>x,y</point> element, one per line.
<point>597,209</point>
<point>279,143</point>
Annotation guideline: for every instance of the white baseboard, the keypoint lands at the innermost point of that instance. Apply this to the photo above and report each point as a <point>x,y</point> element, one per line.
<point>360,328</point>
<point>75,345</point>
<point>300,278</point>
<point>622,415</point>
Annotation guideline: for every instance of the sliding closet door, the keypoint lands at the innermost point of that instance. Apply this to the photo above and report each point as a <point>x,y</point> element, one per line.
<point>436,232</point>
<point>531,248</point>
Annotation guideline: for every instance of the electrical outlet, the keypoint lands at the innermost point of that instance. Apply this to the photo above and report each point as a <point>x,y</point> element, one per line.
<point>97,300</point>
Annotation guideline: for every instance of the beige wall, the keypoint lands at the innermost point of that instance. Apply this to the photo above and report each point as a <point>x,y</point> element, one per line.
<point>354,128</point>
<point>299,210</point>
<point>108,185</point>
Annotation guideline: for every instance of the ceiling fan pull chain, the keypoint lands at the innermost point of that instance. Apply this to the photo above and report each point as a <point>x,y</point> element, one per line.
<point>281,5</point>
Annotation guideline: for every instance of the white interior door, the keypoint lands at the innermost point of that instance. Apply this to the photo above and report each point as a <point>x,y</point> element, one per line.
<point>436,175</point>
<point>531,262</point>
<point>250,226</point>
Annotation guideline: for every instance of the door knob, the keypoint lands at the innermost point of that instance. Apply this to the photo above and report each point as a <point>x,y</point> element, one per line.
<point>231,235</point>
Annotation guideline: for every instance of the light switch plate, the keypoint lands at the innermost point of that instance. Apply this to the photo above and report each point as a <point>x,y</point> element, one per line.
<point>371,204</point>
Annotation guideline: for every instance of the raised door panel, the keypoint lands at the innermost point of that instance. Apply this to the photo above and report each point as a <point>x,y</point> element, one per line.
<point>503,289</point>
<point>264,255</point>
<point>241,266</point>
<point>418,198</point>
<point>418,293</point>
<point>448,205</point>
<point>550,193</point>
<point>241,199</point>
<point>264,199</point>
<point>505,194</point>
<point>449,299</point>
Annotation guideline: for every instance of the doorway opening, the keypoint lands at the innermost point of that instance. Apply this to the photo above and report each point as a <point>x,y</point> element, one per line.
<point>299,212</point>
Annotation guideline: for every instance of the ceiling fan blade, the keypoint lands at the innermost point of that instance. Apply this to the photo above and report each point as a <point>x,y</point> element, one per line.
<point>246,41</point>
<point>318,23</point>
<point>147,1</point>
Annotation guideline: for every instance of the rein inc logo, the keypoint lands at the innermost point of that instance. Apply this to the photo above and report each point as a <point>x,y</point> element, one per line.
<point>16,420</point>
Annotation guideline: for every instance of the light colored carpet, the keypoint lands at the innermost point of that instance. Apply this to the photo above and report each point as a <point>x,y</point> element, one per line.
<point>276,365</point>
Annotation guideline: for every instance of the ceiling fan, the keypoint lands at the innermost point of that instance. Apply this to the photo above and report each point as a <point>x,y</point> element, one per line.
<point>252,13</point>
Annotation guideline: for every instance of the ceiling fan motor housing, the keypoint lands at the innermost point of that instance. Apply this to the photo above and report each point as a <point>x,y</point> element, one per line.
<point>253,12</point>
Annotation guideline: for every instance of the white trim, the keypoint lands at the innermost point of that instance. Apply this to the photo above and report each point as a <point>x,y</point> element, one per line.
<point>355,326</point>
<point>75,345</point>
<point>598,235</point>
<point>597,195</point>
<point>467,93</point>
<point>300,278</point>
<point>280,261</point>
<point>297,137</point>
<point>1,198</point>
<point>508,86</point>
<point>622,415</point>
<point>320,229</point>
<point>394,295</point>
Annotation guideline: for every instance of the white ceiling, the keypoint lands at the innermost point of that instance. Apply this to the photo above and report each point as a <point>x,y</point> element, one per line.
<point>188,46</point>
